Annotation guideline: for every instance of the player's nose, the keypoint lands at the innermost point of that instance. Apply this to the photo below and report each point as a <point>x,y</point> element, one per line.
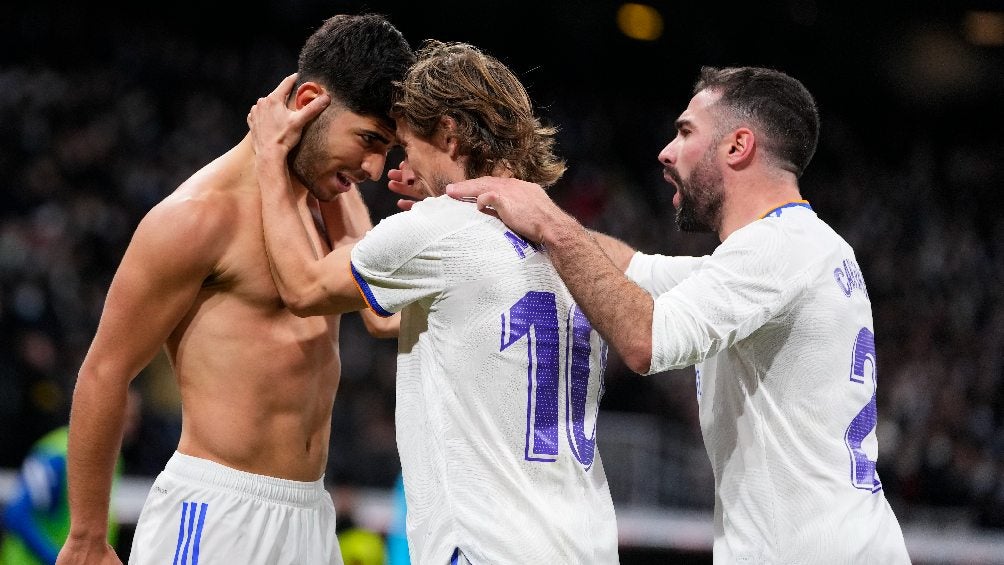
<point>373,165</point>
<point>668,156</point>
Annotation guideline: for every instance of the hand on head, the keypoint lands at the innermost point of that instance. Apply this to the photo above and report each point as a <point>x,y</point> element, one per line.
<point>274,125</point>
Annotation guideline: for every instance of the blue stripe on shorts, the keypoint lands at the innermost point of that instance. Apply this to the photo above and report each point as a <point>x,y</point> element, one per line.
<point>185,534</point>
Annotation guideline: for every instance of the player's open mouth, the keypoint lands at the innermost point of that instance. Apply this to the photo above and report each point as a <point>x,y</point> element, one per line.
<point>672,177</point>
<point>344,182</point>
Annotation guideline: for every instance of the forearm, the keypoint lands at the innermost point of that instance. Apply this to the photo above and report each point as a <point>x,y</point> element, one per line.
<point>619,252</point>
<point>291,254</point>
<point>346,219</point>
<point>617,308</point>
<point>95,438</point>
<point>380,327</point>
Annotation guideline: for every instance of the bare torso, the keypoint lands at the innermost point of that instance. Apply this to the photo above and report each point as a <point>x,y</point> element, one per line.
<point>257,383</point>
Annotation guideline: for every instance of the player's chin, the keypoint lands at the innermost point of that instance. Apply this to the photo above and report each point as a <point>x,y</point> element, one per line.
<point>324,193</point>
<point>330,188</point>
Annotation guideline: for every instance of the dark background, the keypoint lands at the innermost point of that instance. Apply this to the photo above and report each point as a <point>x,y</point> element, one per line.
<point>103,111</point>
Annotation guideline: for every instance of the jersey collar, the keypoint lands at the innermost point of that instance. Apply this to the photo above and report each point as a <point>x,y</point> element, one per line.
<point>776,212</point>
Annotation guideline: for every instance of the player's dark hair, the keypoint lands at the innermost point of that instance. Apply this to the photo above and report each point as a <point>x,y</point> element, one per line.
<point>357,58</point>
<point>496,126</point>
<point>776,106</point>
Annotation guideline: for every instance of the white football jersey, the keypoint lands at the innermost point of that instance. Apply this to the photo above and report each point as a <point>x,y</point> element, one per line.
<point>778,324</point>
<point>499,380</point>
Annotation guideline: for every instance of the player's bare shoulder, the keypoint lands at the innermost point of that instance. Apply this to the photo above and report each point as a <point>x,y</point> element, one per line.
<point>220,206</point>
<point>197,220</point>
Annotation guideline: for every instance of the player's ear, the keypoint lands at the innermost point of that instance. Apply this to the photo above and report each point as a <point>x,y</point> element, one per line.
<point>446,136</point>
<point>305,93</point>
<point>739,147</point>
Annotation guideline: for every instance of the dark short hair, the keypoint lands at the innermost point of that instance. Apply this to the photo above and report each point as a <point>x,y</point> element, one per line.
<point>776,106</point>
<point>357,58</point>
<point>496,125</point>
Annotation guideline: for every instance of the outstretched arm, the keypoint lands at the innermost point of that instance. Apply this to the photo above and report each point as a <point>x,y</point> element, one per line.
<point>620,253</point>
<point>309,281</point>
<point>618,309</point>
<point>346,220</point>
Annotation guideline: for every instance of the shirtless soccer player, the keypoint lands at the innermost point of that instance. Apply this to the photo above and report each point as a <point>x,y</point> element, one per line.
<point>257,383</point>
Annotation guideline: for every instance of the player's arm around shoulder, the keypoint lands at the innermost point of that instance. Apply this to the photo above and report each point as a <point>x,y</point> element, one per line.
<point>620,253</point>
<point>347,220</point>
<point>173,250</point>
<point>321,287</point>
<point>330,285</point>
<point>311,281</point>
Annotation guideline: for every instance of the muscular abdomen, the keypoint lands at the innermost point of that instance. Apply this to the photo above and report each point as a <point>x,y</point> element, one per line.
<point>257,385</point>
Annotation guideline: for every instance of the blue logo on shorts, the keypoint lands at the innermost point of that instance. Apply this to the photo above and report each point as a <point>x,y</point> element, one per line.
<point>186,545</point>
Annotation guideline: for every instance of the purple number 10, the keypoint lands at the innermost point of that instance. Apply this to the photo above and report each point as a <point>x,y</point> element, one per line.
<point>863,475</point>
<point>535,316</point>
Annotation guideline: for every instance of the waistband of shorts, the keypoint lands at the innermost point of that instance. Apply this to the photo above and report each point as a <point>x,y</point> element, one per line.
<point>273,489</point>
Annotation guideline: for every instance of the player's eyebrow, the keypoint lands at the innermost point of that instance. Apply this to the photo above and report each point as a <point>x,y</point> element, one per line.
<point>681,123</point>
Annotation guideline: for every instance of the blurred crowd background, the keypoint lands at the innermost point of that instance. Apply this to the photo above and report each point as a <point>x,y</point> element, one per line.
<point>105,111</point>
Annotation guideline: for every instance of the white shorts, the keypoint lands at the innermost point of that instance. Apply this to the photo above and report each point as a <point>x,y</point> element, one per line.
<point>198,510</point>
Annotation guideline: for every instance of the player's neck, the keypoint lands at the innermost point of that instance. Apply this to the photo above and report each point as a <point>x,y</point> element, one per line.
<point>748,202</point>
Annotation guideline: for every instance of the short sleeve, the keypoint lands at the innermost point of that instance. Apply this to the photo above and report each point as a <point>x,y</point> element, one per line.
<point>749,279</point>
<point>657,274</point>
<point>398,262</point>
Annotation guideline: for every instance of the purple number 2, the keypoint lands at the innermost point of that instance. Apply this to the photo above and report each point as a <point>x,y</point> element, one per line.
<point>863,474</point>
<point>535,316</point>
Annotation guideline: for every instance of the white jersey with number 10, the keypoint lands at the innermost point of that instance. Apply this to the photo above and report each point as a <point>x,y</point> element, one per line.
<point>498,386</point>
